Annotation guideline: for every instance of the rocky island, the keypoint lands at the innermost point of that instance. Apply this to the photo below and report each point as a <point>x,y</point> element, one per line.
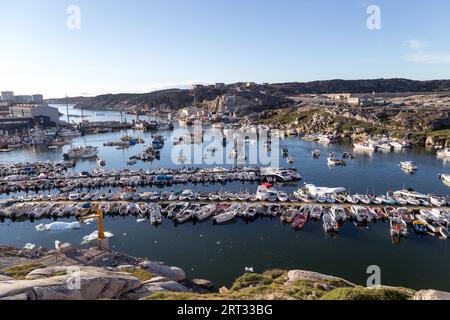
<point>92,274</point>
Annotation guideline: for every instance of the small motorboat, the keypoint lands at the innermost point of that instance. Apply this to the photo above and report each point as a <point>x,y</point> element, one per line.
<point>282,196</point>
<point>155,217</point>
<point>101,162</point>
<point>316,212</point>
<point>398,227</point>
<point>299,221</point>
<point>338,214</point>
<point>408,166</point>
<point>419,227</point>
<point>205,212</point>
<point>329,224</point>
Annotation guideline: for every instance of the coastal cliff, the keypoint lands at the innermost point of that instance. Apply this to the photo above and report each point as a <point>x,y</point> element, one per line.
<point>426,128</point>
<point>90,274</point>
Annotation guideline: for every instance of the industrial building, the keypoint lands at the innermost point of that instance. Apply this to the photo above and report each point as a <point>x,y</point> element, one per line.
<point>42,114</point>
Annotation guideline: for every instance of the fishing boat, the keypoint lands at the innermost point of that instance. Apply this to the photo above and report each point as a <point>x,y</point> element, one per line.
<point>123,209</point>
<point>252,212</point>
<point>174,196</point>
<point>155,217</point>
<point>101,162</point>
<point>289,215</point>
<point>352,199</point>
<point>409,166</point>
<point>361,213</point>
<point>282,196</point>
<point>186,215</point>
<point>419,227</point>
<point>177,210</point>
<point>273,210</point>
<point>338,214</point>
<point>363,198</point>
<point>315,153</point>
<point>316,212</point>
<point>329,224</point>
<point>444,153</point>
<point>445,178</point>
<point>185,194</point>
<point>365,147</point>
<point>205,212</point>
<point>299,221</point>
<point>290,160</point>
<point>398,227</point>
<point>332,160</point>
<point>438,200</point>
<point>225,217</point>
<point>133,208</point>
<point>143,208</point>
<point>262,193</point>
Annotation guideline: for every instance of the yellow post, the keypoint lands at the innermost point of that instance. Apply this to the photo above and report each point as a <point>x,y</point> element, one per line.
<point>99,217</point>
<point>101,233</point>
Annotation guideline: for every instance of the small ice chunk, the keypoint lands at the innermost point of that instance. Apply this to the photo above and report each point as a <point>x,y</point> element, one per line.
<point>94,235</point>
<point>29,246</point>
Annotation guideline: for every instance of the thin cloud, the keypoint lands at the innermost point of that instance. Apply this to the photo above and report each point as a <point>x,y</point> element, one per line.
<point>428,57</point>
<point>416,44</point>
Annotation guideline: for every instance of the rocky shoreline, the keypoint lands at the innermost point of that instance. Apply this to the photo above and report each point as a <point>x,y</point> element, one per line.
<point>92,274</point>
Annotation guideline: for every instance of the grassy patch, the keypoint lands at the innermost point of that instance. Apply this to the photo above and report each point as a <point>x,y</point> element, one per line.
<point>360,293</point>
<point>250,280</point>
<point>141,274</point>
<point>181,296</point>
<point>20,271</point>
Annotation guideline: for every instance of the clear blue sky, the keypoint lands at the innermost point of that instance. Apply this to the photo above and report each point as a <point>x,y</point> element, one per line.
<point>143,45</point>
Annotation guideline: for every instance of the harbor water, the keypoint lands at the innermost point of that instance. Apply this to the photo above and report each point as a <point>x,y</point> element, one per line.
<point>221,253</point>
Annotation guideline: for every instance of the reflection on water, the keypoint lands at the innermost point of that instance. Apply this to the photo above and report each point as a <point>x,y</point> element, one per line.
<point>221,253</point>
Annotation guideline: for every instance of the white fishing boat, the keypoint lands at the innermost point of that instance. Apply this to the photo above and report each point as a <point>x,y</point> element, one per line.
<point>365,147</point>
<point>123,209</point>
<point>316,211</point>
<point>225,217</point>
<point>155,217</point>
<point>398,227</point>
<point>205,212</point>
<point>361,213</point>
<point>329,224</point>
<point>438,200</point>
<point>444,153</point>
<point>133,208</point>
<point>445,178</point>
<point>385,146</point>
<point>262,193</point>
<point>408,165</point>
<point>338,213</point>
<point>315,153</point>
<point>282,196</point>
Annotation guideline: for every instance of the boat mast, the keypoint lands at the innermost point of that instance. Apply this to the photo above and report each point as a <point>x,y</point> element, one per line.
<point>67,109</point>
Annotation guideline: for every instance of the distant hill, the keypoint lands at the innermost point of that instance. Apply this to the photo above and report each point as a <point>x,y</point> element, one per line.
<point>254,96</point>
<point>363,86</point>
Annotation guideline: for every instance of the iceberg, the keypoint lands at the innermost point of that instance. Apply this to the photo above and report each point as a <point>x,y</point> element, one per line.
<point>58,226</point>
<point>29,246</point>
<point>94,235</point>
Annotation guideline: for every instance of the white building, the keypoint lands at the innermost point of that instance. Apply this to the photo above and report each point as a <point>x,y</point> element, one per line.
<point>361,100</point>
<point>7,96</point>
